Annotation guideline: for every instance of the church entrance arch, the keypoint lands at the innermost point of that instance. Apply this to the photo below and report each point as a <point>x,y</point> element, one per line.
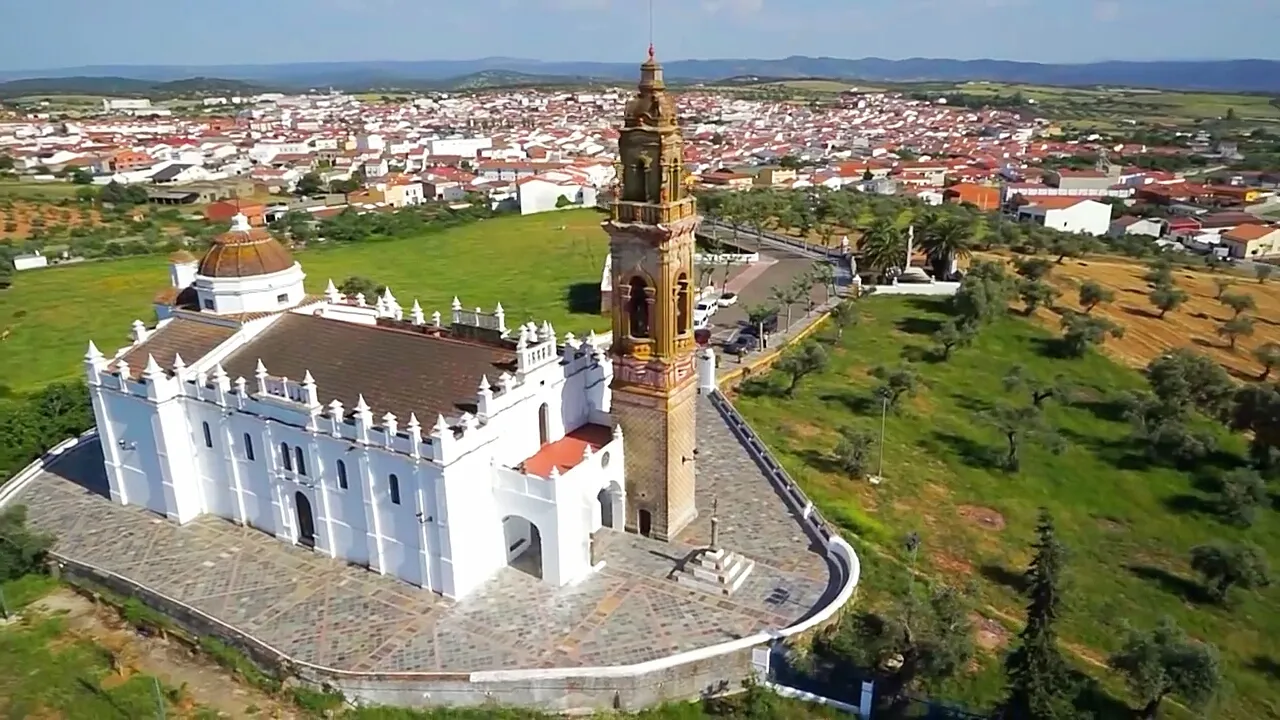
<point>612,506</point>
<point>306,521</point>
<point>524,545</point>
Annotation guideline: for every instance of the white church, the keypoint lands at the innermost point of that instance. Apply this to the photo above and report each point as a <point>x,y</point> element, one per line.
<point>436,448</point>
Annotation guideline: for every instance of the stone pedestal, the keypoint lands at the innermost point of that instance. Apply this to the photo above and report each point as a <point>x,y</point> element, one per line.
<point>716,571</point>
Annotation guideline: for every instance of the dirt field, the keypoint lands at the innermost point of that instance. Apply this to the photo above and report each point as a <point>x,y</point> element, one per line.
<point>203,683</point>
<point>16,220</point>
<point>1193,325</point>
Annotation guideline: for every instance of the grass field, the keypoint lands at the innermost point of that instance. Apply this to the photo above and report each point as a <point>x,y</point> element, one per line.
<point>530,265</point>
<point>49,672</point>
<point>1128,525</point>
<point>1113,107</point>
<point>32,190</point>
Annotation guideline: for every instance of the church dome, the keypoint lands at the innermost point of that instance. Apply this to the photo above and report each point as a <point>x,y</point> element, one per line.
<point>244,251</point>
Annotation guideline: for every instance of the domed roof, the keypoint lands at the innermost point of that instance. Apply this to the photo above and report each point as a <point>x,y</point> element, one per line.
<point>244,251</point>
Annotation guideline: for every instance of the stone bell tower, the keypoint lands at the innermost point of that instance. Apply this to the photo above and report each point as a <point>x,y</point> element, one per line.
<point>651,245</point>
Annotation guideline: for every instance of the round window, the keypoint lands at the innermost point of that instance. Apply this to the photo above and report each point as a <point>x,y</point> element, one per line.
<point>604,459</point>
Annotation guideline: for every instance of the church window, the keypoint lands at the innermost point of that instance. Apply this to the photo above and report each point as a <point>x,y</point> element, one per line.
<point>544,425</point>
<point>208,304</point>
<point>282,298</point>
<point>395,489</point>
<point>638,309</point>
<point>682,304</point>
<point>208,436</point>
<point>286,457</point>
<point>248,447</point>
<point>299,460</point>
<point>342,475</point>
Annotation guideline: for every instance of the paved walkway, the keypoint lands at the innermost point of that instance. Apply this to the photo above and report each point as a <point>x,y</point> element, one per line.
<point>322,611</point>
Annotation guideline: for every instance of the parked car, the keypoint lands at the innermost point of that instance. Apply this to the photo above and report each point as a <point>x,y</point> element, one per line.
<point>727,299</point>
<point>742,344</point>
<point>770,324</point>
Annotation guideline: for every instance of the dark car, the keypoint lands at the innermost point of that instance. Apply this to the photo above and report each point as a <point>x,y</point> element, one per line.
<point>770,324</point>
<point>742,344</point>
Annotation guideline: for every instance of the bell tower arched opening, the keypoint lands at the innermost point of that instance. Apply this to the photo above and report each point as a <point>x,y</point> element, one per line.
<point>638,308</point>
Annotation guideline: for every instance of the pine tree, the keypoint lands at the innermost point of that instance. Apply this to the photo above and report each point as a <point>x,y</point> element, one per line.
<point>1040,686</point>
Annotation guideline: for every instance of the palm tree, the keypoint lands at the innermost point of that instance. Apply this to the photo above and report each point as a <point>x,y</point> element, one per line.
<point>883,246</point>
<point>945,239</point>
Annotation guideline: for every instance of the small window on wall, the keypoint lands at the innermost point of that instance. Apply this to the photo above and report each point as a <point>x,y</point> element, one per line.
<point>286,457</point>
<point>248,447</point>
<point>300,461</point>
<point>395,489</point>
<point>208,436</point>
<point>282,298</point>
<point>342,475</point>
<point>208,304</point>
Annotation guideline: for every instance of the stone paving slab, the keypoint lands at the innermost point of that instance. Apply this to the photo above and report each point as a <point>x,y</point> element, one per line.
<point>323,611</point>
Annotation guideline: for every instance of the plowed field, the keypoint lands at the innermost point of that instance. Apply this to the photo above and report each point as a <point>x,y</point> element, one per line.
<point>1193,325</point>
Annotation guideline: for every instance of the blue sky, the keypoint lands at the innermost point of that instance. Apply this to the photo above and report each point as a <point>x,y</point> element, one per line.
<point>62,33</point>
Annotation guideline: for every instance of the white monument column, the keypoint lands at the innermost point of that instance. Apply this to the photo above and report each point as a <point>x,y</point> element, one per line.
<point>706,371</point>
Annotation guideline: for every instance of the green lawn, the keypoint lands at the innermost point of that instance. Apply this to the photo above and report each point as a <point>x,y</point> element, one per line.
<point>1128,525</point>
<point>528,264</point>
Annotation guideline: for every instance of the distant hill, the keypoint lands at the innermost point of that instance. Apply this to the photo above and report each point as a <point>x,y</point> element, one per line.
<point>1216,75</point>
<point>125,87</point>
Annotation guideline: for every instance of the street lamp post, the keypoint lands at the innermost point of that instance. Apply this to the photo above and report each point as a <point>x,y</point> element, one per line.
<point>884,413</point>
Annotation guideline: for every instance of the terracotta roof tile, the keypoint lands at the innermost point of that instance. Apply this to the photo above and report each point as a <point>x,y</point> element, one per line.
<point>191,339</point>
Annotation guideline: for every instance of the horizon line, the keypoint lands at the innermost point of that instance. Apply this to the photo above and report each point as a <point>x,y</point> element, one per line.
<point>625,62</point>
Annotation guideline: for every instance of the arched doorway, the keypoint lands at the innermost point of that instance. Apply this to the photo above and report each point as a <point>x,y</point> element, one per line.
<point>306,521</point>
<point>613,507</point>
<point>524,545</point>
<point>606,508</point>
<point>645,522</point>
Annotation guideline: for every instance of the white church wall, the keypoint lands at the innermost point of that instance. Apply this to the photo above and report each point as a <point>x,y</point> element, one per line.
<point>126,420</point>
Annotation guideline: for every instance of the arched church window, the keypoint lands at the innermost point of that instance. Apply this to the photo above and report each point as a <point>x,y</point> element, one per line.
<point>299,460</point>
<point>682,304</point>
<point>342,475</point>
<point>208,436</point>
<point>638,310</point>
<point>394,482</point>
<point>248,447</point>
<point>286,457</point>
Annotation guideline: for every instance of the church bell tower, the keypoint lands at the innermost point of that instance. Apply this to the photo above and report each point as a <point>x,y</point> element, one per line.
<point>651,245</point>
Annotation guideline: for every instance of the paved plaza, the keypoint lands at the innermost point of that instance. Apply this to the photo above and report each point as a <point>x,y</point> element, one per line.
<point>325,612</point>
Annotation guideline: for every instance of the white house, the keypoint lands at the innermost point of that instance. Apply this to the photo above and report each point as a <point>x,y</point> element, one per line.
<point>1128,225</point>
<point>1068,214</point>
<point>300,416</point>
<point>542,193</point>
<point>30,262</point>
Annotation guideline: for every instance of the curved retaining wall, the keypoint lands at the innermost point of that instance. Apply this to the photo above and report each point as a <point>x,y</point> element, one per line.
<point>700,672</point>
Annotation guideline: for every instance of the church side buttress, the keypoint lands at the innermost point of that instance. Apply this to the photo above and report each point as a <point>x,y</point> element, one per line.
<point>651,243</point>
